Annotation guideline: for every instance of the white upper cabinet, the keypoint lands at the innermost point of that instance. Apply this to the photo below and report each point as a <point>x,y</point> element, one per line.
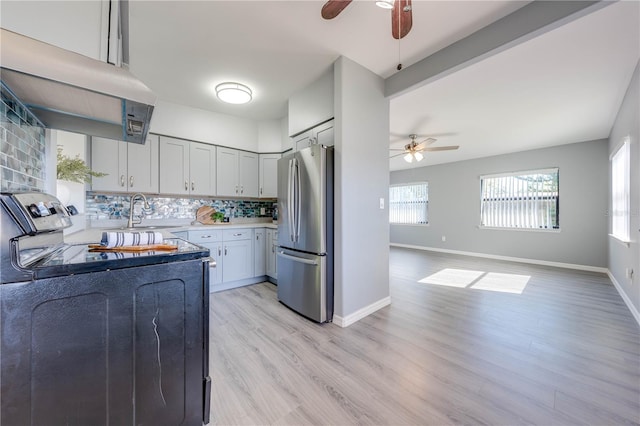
<point>174,166</point>
<point>130,167</point>
<point>237,173</point>
<point>78,26</point>
<point>227,172</point>
<point>322,134</point>
<point>187,168</point>
<point>248,174</point>
<point>269,175</point>
<point>311,105</point>
<point>202,168</point>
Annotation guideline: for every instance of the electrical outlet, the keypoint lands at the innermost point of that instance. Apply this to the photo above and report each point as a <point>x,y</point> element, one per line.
<point>444,238</point>
<point>381,203</point>
<point>262,211</point>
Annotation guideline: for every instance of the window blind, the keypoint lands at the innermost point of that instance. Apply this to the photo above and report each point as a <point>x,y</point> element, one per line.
<point>408,203</point>
<point>620,177</point>
<point>527,200</point>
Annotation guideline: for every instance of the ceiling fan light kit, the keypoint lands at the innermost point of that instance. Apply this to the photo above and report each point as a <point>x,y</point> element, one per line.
<point>413,150</point>
<point>233,93</point>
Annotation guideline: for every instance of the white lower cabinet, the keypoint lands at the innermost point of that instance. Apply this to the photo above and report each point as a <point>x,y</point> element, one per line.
<point>237,260</point>
<point>271,243</point>
<point>259,255</point>
<point>243,256</point>
<point>211,239</point>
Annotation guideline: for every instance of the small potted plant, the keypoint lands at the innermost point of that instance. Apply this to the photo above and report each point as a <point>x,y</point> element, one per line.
<point>217,216</point>
<point>74,169</point>
<point>72,174</point>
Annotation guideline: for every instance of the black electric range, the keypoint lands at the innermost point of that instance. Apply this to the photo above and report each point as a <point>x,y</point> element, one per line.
<point>92,337</point>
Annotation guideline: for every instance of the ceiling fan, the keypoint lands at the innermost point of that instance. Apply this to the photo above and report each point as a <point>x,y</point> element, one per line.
<point>415,149</point>
<point>401,16</point>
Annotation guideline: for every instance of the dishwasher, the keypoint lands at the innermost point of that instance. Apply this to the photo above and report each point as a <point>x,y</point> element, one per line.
<point>99,338</point>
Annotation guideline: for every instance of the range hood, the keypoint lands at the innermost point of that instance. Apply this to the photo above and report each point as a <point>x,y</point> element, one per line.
<point>72,92</point>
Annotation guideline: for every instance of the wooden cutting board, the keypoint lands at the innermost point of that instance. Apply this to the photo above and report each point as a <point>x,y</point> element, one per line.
<point>203,215</point>
<point>160,247</point>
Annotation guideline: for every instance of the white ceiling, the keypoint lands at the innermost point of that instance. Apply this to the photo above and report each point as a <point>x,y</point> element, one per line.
<point>561,87</point>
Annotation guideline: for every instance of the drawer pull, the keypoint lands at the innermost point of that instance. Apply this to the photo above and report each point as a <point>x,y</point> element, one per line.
<point>205,236</point>
<point>238,234</point>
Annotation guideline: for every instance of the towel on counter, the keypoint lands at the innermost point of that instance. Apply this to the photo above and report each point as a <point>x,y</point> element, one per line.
<point>119,239</point>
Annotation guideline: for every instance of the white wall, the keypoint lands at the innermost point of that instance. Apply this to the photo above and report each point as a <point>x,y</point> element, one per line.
<point>79,26</point>
<point>204,126</point>
<point>270,136</point>
<point>454,206</point>
<point>361,179</point>
<point>620,256</point>
<point>312,105</point>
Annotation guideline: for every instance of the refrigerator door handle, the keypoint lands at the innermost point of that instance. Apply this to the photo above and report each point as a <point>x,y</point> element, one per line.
<point>297,259</point>
<point>298,199</point>
<point>289,200</point>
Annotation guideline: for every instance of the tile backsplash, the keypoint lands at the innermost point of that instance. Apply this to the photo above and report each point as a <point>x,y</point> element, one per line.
<point>107,206</point>
<point>22,146</point>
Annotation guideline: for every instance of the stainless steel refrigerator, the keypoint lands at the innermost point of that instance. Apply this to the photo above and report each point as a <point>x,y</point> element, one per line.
<point>305,232</point>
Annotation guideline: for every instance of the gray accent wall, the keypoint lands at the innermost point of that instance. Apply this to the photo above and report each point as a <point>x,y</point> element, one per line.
<point>454,206</point>
<point>621,256</point>
<point>361,179</point>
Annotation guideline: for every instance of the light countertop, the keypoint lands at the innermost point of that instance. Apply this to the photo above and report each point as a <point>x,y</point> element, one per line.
<point>167,228</point>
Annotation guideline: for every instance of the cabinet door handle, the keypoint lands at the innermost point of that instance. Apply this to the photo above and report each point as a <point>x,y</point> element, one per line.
<point>193,186</point>
<point>236,189</point>
<point>121,180</point>
<point>242,189</point>
<point>219,251</point>
<point>273,248</point>
<point>225,251</point>
<point>186,185</point>
<point>131,181</point>
<point>260,191</point>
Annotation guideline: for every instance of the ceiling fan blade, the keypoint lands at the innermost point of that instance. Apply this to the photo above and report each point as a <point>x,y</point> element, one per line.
<point>397,155</point>
<point>401,18</point>
<point>442,148</point>
<point>428,141</point>
<point>332,8</point>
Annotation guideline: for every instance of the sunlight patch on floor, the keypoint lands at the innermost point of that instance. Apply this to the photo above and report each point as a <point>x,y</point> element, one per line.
<point>478,280</point>
<point>453,277</point>
<point>505,283</point>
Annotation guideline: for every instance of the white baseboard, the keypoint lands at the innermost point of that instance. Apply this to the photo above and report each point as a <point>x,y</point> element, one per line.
<point>624,296</point>
<point>361,313</point>
<point>507,258</point>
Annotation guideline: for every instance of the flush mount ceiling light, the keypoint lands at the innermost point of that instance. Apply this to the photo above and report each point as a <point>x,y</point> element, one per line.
<point>233,93</point>
<point>385,4</point>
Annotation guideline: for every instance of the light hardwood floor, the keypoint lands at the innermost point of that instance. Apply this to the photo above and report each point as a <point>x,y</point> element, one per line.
<point>565,351</point>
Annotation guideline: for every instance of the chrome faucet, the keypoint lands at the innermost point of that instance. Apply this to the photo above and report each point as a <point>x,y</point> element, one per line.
<point>134,197</point>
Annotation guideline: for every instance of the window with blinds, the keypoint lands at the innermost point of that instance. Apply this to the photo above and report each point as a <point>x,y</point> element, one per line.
<point>524,200</point>
<point>408,203</point>
<point>620,192</point>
